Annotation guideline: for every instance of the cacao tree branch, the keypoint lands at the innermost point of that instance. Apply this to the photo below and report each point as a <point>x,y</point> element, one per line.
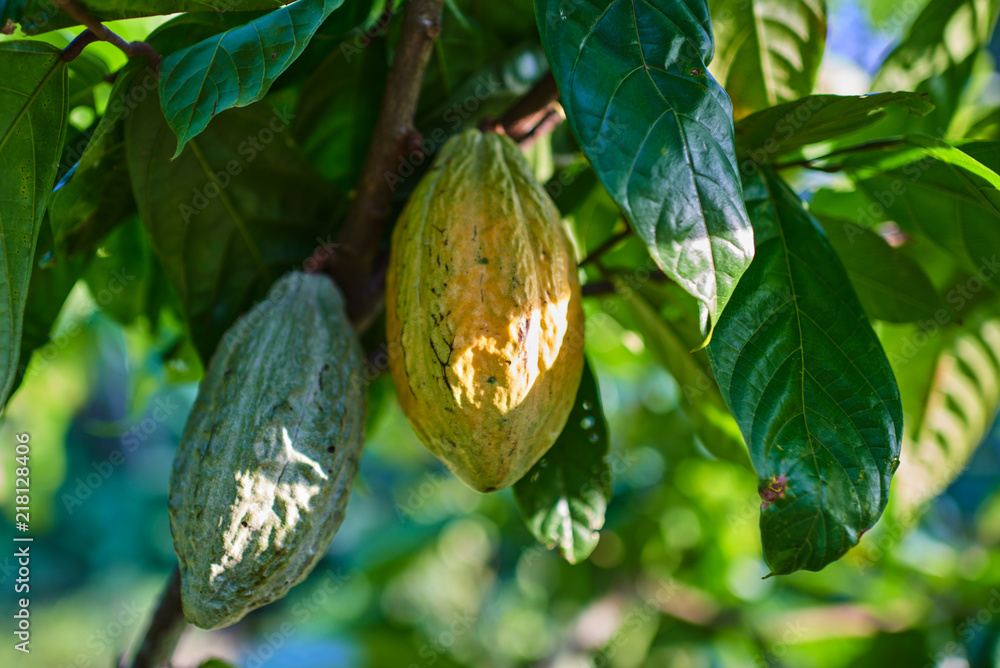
<point>103,33</point>
<point>164,629</point>
<point>533,115</point>
<point>394,138</point>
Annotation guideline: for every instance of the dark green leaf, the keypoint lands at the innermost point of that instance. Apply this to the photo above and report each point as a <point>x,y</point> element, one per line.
<point>236,67</point>
<point>700,398</point>
<point>768,50</point>
<point>809,385</point>
<point>230,215</point>
<point>32,130</point>
<point>563,497</point>
<point>658,130</point>
<point>948,194</point>
<point>95,195</point>
<point>336,114</point>
<point>122,276</point>
<point>39,16</point>
<point>51,282</point>
<point>788,127</point>
<point>891,286</point>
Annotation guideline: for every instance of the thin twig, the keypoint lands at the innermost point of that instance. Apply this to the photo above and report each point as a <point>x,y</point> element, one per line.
<point>394,138</point>
<point>811,163</point>
<point>164,629</point>
<point>103,33</point>
<point>524,121</point>
<point>605,246</point>
<point>77,45</point>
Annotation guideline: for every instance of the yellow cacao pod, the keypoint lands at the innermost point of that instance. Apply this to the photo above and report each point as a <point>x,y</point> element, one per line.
<point>483,313</point>
<point>264,468</point>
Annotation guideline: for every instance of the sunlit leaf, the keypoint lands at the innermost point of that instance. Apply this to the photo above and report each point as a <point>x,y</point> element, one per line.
<point>809,385</point>
<point>788,127</point>
<point>39,16</point>
<point>948,194</point>
<point>768,50</point>
<point>658,130</point>
<point>950,383</point>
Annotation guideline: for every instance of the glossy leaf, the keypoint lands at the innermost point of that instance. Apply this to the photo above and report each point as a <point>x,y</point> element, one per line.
<point>228,216</point>
<point>563,497</point>
<point>950,385</point>
<point>809,385</point>
<point>95,195</point>
<point>236,67</point>
<point>954,201</point>
<point>699,393</point>
<point>39,16</point>
<point>657,129</point>
<point>768,50</point>
<point>32,130</point>
<point>891,286</point>
<point>788,127</point>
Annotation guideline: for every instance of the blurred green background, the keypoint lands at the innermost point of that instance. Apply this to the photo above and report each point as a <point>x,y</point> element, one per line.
<point>425,572</point>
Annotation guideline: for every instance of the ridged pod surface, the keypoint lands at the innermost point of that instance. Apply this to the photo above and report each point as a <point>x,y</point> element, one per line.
<point>264,468</point>
<point>483,313</point>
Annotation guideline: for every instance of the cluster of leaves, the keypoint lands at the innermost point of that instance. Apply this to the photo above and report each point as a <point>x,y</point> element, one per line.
<point>803,317</point>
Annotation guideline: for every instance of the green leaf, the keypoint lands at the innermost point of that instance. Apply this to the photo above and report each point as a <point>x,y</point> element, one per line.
<point>51,282</point>
<point>658,130</point>
<point>891,286</point>
<point>32,130</point>
<point>768,50</point>
<point>122,277</point>
<point>950,383</point>
<point>39,16</point>
<point>700,397</point>
<point>809,385</point>
<point>938,56</point>
<point>948,194</point>
<point>85,72</point>
<point>230,215</point>
<point>788,127</point>
<point>95,195</point>
<point>338,107</point>
<point>236,67</point>
<point>563,497</point>
<point>944,34</point>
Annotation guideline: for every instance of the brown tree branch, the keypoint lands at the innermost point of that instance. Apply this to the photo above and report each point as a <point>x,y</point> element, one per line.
<point>394,138</point>
<point>164,629</point>
<point>523,119</point>
<point>103,33</point>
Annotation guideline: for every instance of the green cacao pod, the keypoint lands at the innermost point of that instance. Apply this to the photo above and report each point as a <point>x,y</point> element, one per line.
<point>483,313</point>
<point>264,468</point>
